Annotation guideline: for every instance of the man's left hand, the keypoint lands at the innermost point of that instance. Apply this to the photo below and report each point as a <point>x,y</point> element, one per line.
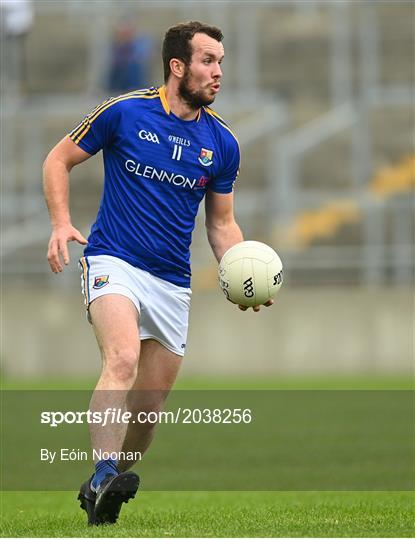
<point>257,308</point>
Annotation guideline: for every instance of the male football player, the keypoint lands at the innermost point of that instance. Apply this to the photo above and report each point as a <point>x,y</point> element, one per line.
<point>164,150</point>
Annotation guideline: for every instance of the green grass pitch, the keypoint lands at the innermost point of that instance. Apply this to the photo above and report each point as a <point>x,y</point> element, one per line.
<point>218,514</point>
<point>222,514</point>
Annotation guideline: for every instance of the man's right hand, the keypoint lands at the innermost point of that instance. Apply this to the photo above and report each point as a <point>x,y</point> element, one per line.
<point>58,245</point>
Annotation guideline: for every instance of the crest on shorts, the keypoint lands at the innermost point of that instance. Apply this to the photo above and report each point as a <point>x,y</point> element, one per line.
<point>205,157</point>
<point>101,281</point>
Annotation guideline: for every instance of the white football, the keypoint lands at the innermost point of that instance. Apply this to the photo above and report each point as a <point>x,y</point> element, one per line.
<point>250,273</point>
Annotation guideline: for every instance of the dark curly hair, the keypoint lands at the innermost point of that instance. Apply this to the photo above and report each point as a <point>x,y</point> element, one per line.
<point>176,42</point>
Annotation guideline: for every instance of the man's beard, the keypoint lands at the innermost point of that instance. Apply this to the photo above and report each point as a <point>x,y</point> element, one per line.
<point>195,99</point>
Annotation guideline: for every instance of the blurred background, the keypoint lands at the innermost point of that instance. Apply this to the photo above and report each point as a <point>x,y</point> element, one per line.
<point>321,96</point>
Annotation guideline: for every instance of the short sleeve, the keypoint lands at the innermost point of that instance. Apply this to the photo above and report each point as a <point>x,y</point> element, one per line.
<point>97,129</point>
<point>225,178</point>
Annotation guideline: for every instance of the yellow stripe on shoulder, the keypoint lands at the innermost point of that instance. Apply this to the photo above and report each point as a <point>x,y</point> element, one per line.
<point>214,113</point>
<point>122,97</point>
<point>221,121</point>
<point>131,95</point>
<point>82,129</point>
<point>104,105</point>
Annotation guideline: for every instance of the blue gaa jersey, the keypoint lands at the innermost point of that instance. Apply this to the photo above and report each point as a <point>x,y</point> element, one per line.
<point>157,170</point>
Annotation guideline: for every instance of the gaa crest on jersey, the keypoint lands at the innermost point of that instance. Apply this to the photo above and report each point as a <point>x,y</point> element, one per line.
<point>101,281</point>
<point>205,157</point>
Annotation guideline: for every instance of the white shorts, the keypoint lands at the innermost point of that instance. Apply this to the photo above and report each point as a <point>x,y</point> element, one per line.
<point>162,306</point>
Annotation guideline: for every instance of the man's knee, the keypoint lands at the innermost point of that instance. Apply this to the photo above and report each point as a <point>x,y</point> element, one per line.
<point>121,364</point>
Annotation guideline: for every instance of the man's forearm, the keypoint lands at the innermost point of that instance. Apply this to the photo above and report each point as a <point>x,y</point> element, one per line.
<point>56,189</point>
<point>221,238</point>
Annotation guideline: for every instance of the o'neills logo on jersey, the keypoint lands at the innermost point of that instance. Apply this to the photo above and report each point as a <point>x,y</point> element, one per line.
<point>146,171</point>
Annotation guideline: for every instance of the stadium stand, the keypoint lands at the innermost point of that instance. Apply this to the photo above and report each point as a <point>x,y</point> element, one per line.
<point>295,70</point>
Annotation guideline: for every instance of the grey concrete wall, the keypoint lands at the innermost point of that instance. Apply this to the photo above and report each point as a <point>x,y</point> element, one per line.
<point>308,330</point>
